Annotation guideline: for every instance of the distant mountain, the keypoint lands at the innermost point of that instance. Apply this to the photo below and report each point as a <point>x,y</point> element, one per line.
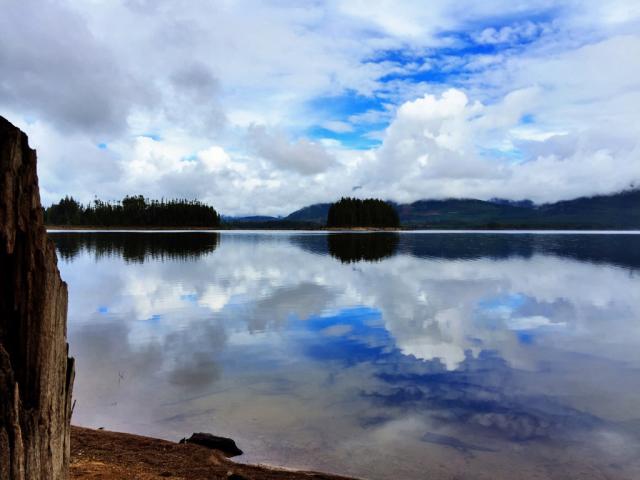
<point>460,213</point>
<point>614,211</point>
<point>620,210</point>
<point>264,222</point>
<point>316,213</point>
<point>515,203</point>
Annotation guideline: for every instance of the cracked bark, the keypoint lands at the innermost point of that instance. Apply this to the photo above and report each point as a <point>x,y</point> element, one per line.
<point>36,375</point>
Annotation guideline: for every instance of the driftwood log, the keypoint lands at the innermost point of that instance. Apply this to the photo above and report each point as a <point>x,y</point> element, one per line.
<point>36,375</point>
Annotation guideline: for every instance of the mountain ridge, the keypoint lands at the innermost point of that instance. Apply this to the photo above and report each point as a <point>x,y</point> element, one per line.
<point>619,210</point>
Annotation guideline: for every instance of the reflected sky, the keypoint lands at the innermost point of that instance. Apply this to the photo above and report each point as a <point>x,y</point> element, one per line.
<point>379,355</point>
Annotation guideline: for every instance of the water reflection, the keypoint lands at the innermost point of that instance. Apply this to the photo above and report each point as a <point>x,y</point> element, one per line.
<point>457,356</point>
<point>356,247</point>
<point>135,246</point>
<point>596,248</point>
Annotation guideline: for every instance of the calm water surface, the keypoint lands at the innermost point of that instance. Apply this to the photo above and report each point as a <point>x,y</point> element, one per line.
<point>386,356</point>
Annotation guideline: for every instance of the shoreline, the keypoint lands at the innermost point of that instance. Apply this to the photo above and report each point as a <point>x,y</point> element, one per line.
<point>114,455</point>
<point>116,229</point>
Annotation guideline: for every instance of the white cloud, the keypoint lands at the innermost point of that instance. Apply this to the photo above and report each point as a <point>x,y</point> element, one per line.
<point>214,159</point>
<point>447,146</point>
<point>118,73</point>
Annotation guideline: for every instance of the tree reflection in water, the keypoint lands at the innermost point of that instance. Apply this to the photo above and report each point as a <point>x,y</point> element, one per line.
<point>136,247</point>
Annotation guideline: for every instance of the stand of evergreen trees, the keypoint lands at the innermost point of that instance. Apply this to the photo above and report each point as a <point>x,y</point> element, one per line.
<point>354,212</point>
<point>133,211</point>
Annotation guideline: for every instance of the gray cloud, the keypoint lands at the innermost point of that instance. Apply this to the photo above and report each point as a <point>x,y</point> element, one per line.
<point>55,68</point>
<point>194,100</point>
<point>302,156</point>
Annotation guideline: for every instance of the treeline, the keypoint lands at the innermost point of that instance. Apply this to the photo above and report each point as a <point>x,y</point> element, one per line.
<point>354,212</point>
<point>132,211</point>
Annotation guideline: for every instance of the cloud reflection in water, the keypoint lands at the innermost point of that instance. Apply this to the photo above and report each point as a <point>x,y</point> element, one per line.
<point>524,345</point>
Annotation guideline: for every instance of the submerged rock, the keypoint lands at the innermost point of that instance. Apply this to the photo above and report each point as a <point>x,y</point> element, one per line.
<point>36,376</point>
<point>225,445</point>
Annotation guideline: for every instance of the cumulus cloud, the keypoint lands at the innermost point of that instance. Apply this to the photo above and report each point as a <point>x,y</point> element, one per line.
<point>450,147</point>
<point>430,137</point>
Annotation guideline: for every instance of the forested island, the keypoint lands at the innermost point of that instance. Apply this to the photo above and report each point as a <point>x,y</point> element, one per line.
<point>367,213</point>
<point>132,211</point>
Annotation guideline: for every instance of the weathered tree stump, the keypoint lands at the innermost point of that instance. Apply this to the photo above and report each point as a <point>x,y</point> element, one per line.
<point>36,375</point>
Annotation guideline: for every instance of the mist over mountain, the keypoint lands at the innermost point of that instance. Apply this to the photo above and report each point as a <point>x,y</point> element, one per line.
<point>615,211</point>
<point>316,213</point>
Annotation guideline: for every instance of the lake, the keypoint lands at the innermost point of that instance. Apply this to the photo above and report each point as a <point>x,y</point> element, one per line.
<point>380,355</point>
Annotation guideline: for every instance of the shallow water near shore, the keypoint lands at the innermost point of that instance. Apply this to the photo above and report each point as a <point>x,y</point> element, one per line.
<point>380,355</point>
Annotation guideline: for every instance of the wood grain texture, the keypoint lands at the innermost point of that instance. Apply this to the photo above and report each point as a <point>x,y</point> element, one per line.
<point>36,375</point>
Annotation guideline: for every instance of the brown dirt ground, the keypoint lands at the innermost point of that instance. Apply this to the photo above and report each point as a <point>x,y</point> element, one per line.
<point>104,455</point>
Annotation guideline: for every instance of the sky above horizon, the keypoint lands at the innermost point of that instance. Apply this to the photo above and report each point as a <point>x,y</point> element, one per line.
<point>265,107</point>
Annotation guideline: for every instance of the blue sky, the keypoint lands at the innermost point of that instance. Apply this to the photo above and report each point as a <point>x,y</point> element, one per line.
<point>264,107</point>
